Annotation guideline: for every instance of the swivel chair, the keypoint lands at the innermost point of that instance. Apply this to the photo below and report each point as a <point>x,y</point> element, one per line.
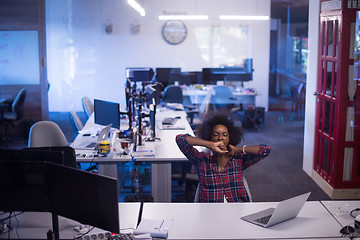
<point>76,123</point>
<point>222,98</point>
<point>15,113</point>
<point>173,94</point>
<point>298,104</point>
<point>46,134</point>
<point>196,198</point>
<point>88,106</point>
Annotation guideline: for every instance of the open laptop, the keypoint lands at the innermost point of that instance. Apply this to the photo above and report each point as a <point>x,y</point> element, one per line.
<point>284,211</point>
<point>90,143</point>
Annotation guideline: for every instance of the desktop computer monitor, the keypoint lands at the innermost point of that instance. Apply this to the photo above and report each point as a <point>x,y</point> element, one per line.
<point>85,197</point>
<point>107,112</point>
<point>168,76</point>
<point>72,193</point>
<point>228,74</point>
<point>208,78</point>
<point>54,155</point>
<point>139,74</point>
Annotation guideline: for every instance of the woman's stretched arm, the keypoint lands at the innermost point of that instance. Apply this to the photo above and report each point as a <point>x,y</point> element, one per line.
<point>218,147</point>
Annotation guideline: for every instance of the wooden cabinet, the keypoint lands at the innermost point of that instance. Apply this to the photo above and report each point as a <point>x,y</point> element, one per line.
<point>337,143</point>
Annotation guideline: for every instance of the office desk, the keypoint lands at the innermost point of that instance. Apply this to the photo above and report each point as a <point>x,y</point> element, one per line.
<point>203,96</point>
<point>222,221</point>
<point>203,221</point>
<point>166,151</point>
<point>35,225</point>
<point>341,210</point>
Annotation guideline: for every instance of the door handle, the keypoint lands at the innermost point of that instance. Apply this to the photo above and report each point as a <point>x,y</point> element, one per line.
<point>316,94</point>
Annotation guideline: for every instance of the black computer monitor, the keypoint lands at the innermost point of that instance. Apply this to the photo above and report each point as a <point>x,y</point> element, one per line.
<point>47,187</point>
<point>228,73</point>
<point>85,197</point>
<point>188,78</point>
<point>36,155</point>
<point>139,74</point>
<point>168,76</point>
<point>208,78</point>
<point>24,186</point>
<point>106,112</point>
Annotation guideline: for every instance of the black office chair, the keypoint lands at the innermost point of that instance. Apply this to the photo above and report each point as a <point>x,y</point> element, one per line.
<point>15,113</point>
<point>173,94</point>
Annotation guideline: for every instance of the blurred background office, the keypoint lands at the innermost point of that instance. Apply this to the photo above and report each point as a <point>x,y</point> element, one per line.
<point>84,47</point>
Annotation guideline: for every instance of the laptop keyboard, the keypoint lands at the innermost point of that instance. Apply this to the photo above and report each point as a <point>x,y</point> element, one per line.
<point>91,145</point>
<point>169,121</point>
<point>263,220</point>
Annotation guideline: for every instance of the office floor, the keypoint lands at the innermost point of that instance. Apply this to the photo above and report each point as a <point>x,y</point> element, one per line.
<point>277,177</point>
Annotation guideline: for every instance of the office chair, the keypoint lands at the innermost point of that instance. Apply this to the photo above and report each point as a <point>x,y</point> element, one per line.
<point>196,198</point>
<point>76,123</point>
<point>46,134</point>
<point>88,106</point>
<point>15,113</point>
<point>173,94</point>
<point>222,97</point>
<point>298,101</point>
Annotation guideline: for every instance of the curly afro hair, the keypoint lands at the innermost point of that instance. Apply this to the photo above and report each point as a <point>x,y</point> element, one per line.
<point>224,117</point>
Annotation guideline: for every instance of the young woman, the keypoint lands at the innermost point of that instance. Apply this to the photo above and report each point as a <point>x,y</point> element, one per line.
<point>220,171</point>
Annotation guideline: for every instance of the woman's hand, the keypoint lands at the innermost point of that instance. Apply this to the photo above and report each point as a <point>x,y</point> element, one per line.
<point>219,147</point>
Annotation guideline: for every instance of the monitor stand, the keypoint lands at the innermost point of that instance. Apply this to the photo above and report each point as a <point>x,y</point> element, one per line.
<point>55,225</point>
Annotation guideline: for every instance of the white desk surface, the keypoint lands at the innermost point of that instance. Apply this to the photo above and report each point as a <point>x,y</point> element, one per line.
<point>341,210</point>
<point>35,225</point>
<point>165,149</point>
<point>199,221</point>
<point>222,221</point>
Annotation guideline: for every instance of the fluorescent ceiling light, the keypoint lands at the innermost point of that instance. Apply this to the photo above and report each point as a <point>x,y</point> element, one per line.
<point>137,7</point>
<point>241,17</point>
<point>183,17</point>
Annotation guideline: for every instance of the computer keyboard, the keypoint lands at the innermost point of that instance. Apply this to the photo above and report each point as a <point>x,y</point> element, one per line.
<point>122,236</point>
<point>263,220</point>
<point>169,121</point>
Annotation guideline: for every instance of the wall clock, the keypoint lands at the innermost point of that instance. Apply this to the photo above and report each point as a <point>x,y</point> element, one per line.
<point>174,32</point>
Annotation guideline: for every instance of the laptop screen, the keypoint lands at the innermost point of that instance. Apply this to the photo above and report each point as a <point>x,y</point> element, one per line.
<point>107,112</point>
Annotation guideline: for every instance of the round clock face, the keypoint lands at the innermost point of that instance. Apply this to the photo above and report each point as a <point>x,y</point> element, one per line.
<point>174,32</point>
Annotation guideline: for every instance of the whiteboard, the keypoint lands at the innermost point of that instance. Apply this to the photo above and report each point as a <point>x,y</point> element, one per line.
<point>19,58</point>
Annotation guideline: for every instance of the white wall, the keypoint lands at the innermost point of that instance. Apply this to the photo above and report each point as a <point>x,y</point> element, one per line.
<point>310,102</point>
<point>84,60</point>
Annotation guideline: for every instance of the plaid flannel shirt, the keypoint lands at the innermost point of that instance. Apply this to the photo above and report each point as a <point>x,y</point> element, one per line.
<point>214,185</point>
